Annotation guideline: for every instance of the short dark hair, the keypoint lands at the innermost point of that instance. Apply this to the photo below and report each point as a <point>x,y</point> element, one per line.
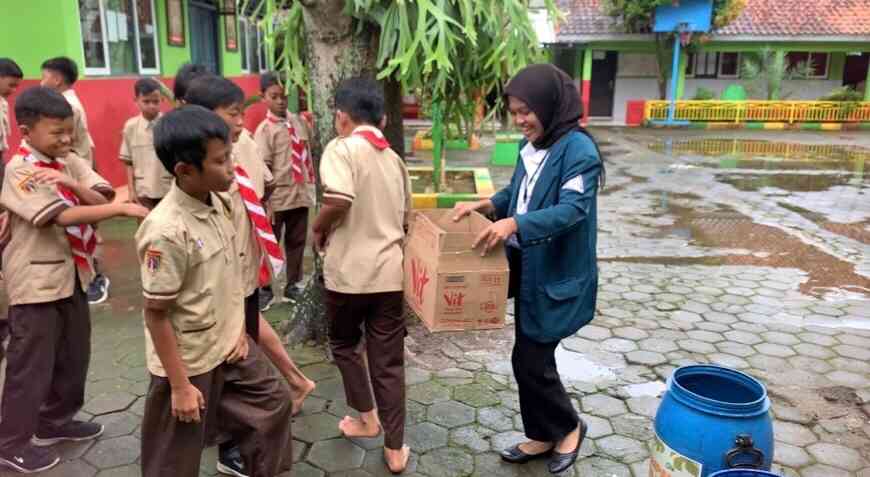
<point>212,92</point>
<point>146,86</point>
<point>65,67</point>
<point>187,73</point>
<point>8,67</point>
<point>269,79</point>
<point>39,102</point>
<point>362,99</point>
<point>182,135</point>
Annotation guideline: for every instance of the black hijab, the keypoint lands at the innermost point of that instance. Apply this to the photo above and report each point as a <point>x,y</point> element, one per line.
<point>552,95</point>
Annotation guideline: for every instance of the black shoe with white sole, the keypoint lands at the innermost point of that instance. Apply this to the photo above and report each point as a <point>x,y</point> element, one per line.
<point>267,297</point>
<point>98,290</point>
<point>75,431</point>
<point>230,462</point>
<point>29,459</point>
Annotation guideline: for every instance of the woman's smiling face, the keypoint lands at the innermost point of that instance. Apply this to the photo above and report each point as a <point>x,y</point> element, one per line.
<point>525,119</point>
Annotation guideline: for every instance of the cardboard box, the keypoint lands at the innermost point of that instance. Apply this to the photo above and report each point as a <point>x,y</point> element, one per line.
<point>449,285</point>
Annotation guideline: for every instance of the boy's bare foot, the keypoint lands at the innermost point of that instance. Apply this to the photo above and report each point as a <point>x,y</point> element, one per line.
<point>397,460</point>
<point>303,393</point>
<point>364,427</point>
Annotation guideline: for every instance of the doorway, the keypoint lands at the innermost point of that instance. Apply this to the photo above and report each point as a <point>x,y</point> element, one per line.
<point>603,84</point>
<point>204,35</point>
<point>855,71</point>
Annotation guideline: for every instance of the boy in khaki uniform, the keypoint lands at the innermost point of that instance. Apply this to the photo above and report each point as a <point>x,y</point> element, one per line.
<point>283,141</point>
<point>148,180</point>
<point>207,373</point>
<point>254,238</point>
<point>53,197</point>
<point>10,77</point>
<point>361,228</point>
<point>60,74</point>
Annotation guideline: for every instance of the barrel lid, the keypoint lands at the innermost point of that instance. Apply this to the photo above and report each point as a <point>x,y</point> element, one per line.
<point>716,400</point>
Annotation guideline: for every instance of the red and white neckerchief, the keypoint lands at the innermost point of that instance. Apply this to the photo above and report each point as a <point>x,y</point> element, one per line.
<point>379,142</point>
<point>272,257</point>
<point>303,168</point>
<point>81,237</point>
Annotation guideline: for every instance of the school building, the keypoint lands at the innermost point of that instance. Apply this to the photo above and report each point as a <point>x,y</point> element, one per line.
<point>115,42</point>
<point>613,67</point>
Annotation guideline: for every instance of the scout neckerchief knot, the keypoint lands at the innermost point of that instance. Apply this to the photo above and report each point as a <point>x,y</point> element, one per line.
<point>82,239</point>
<point>272,255</point>
<point>303,169</point>
<point>379,142</point>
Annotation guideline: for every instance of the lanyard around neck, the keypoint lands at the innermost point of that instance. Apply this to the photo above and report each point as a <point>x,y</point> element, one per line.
<point>530,178</point>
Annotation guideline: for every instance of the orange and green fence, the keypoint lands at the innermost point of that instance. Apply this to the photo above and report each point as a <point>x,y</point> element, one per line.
<point>716,114</point>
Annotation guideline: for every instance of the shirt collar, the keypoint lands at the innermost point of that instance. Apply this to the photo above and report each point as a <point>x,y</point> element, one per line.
<point>196,207</point>
<point>38,155</point>
<point>274,118</point>
<point>366,127</point>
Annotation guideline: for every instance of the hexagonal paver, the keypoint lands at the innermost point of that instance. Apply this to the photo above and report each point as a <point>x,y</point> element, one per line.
<point>303,469</point>
<point>743,337</point>
<point>474,438</point>
<point>498,419</point>
<point>504,440</point>
<point>658,345</point>
<point>316,427</point>
<point>630,333</point>
<point>817,339</point>
<point>706,336</point>
<point>813,351</point>
<point>791,456</point>
<point>737,349</point>
<point>634,426</point>
<point>75,468</point>
<point>600,466</point>
<point>793,434</point>
<point>820,470</point>
<point>854,352</point>
<point>695,346</point>
<point>114,452</point>
<point>775,350</point>
<point>451,414</point>
<point>594,332</point>
<point>781,338</point>
<point>852,380</point>
<point>644,405</point>
<point>110,402</point>
<point>603,405</point>
<point>331,389</point>
<point>836,455</point>
<point>648,358</point>
<point>428,393</point>
<point>336,455</point>
<point>446,462</point>
<point>476,395</point>
<point>622,448</point>
<point>596,427</point>
<point>727,360</point>
<point>117,424</point>
<point>425,437</point>
<point>321,371</point>
<point>305,355</point>
<point>618,345</point>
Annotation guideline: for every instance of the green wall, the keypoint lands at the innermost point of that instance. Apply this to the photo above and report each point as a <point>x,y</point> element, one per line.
<point>31,35</point>
<point>231,61</point>
<point>171,57</point>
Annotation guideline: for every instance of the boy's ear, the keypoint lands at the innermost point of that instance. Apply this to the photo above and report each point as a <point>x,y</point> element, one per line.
<point>25,130</point>
<point>183,169</point>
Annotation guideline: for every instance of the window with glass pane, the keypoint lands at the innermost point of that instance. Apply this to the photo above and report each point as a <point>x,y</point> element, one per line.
<point>729,64</point>
<point>254,47</point>
<point>92,34</point>
<point>147,29</point>
<point>120,35</point>
<point>705,65</point>
<point>819,62</point>
<point>243,43</point>
<point>261,35</point>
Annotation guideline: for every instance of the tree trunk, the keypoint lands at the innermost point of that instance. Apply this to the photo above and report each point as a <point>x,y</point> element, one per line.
<point>395,131</point>
<point>664,64</point>
<point>336,50</point>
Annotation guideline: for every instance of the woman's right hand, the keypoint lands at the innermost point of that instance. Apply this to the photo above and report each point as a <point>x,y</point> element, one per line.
<point>464,209</point>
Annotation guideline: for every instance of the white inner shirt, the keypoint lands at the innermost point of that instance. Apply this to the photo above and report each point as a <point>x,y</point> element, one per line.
<point>533,161</point>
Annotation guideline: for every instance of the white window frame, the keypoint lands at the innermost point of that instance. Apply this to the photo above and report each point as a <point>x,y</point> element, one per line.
<point>143,70</point>
<point>107,70</point>
<point>719,73</point>
<point>706,56</point>
<point>827,64</point>
<point>90,71</point>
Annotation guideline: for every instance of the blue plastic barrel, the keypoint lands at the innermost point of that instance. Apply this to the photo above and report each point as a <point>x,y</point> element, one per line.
<point>711,419</point>
<point>744,473</point>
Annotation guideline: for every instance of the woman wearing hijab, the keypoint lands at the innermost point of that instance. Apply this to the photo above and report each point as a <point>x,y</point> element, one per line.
<point>548,222</point>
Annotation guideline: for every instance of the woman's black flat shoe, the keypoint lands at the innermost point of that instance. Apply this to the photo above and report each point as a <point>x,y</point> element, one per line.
<point>561,462</point>
<point>515,455</point>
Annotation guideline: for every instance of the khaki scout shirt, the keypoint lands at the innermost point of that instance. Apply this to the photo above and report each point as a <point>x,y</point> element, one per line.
<point>188,256</point>
<point>274,143</point>
<point>245,154</point>
<point>5,127</point>
<point>150,178</point>
<point>82,141</point>
<point>38,261</point>
<point>364,254</point>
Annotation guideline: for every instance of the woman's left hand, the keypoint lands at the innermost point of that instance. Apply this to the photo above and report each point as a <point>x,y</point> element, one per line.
<point>495,234</point>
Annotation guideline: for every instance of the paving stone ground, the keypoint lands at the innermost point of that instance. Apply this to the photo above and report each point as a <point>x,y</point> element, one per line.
<point>665,300</point>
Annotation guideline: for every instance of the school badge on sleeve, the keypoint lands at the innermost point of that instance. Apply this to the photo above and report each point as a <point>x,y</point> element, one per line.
<point>27,184</point>
<point>152,260</point>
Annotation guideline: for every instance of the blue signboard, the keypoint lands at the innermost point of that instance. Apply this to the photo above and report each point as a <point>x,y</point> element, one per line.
<point>696,14</point>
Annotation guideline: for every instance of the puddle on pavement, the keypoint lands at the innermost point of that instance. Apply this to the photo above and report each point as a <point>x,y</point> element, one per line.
<point>650,389</point>
<point>750,165</point>
<point>576,367</point>
<point>726,228</point>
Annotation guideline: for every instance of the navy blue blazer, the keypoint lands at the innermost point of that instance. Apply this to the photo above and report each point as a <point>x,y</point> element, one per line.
<point>559,280</point>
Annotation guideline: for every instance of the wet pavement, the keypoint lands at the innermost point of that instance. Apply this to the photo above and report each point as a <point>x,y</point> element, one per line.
<point>744,253</point>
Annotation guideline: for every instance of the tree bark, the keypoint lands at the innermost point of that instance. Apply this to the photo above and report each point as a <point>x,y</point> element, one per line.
<point>395,131</point>
<point>336,50</point>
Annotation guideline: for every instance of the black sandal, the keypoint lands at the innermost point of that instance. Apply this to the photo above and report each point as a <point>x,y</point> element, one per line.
<point>515,455</point>
<point>561,462</point>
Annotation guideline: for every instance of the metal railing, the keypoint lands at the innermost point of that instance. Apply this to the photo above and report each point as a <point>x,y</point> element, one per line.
<point>762,111</point>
